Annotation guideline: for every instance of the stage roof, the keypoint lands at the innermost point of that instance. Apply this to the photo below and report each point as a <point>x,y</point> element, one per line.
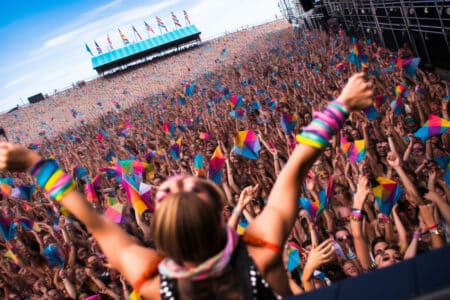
<point>145,47</point>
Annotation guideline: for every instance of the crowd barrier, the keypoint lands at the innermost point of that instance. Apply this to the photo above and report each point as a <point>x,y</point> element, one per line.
<point>426,277</point>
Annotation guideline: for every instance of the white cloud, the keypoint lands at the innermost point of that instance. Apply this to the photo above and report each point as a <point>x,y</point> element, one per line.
<point>16,81</point>
<point>101,9</point>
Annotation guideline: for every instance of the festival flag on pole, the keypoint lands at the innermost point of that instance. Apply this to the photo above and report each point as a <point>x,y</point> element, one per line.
<point>189,89</point>
<point>175,20</point>
<point>371,113</point>
<point>175,150</point>
<point>88,49</point>
<point>311,207</point>
<point>28,224</point>
<point>99,50</point>
<point>397,106</point>
<point>89,190</point>
<point>12,256</point>
<point>108,41</point>
<point>111,156</point>
<point>137,33</point>
<point>444,163</point>
<point>182,99</point>
<point>198,165</point>
<point>8,229</point>
<point>380,100</point>
<point>169,128</point>
<point>238,114</point>
<point>236,101</point>
<point>293,259</point>
<point>6,185</point>
<point>434,126</point>
<point>186,18</point>
<point>215,165</point>
<point>132,190</point>
<point>145,191</point>
<point>161,24</point>
<point>288,122</point>
<point>355,151</point>
<point>114,210</point>
<point>79,173</point>
<point>247,144</point>
<point>410,65</point>
<point>24,192</point>
<point>386,194</point>
<point>356,55</point>
<point>148,27</point>
<point>53,256</point>
<point>205,136</point>
<point>123,37</point>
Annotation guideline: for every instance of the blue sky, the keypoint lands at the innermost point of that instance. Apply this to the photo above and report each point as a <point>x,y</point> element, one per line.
<point>43,41</point>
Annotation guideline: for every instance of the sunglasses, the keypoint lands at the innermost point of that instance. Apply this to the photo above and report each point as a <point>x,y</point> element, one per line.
<point>343,238</point>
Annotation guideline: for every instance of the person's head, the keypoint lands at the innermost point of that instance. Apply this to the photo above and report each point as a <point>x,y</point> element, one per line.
<point>378,245</point>
<point>188,224</point>
<point>350,268</point>
<point>344,238</point>
<point>356,135</point>
<point>382,149</point>
<point>418,149</point>
<point>391,255</point>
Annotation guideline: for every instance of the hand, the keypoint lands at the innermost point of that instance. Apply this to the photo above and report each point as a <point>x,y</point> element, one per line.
<point>357,93</point>
<point>310,183</point>
<point>433,197</point>
<point>16,158</point>
<point>362,191</point>
<point>432,175</point>
<point>393,160</point>
<point>320,255</point>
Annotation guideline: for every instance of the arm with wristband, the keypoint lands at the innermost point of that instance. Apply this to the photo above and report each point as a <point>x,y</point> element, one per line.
<point>275,222</point>
<point>123,252</point>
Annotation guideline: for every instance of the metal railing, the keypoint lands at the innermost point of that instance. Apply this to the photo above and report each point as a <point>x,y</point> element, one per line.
<point>423,25</point>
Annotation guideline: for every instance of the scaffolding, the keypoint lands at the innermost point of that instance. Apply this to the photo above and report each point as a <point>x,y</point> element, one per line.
<point>423,25</point>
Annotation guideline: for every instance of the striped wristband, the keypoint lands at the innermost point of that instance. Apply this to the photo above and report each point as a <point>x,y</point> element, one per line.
<point>52,179</point>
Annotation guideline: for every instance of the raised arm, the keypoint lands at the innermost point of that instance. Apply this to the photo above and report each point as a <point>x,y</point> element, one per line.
<point>274,224</point>
<point>123,252</point>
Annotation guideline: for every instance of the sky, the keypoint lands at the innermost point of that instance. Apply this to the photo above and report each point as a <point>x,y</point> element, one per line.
<point>43,46</point>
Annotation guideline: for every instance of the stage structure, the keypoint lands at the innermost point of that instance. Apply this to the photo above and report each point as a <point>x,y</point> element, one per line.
<point>141,51</point>
<point>423,25</point>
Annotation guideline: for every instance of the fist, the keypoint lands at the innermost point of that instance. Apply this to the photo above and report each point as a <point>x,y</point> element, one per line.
<point>357,93</point>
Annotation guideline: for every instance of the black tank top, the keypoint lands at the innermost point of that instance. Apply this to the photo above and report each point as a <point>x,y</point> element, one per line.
<point>252,285</point>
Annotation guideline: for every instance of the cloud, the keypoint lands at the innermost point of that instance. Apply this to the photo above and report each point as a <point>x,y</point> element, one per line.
<point>96,11</point>
<point>16,81</point>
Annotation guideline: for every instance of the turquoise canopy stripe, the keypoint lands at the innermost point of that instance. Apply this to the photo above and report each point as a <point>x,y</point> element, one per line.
<point>145,45</point>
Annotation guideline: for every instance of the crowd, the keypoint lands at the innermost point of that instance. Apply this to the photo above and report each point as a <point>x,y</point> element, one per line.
<point>377,195</point>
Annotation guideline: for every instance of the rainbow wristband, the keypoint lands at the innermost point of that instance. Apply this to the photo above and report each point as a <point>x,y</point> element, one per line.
<point>325,124</point>
<point>52,179</point>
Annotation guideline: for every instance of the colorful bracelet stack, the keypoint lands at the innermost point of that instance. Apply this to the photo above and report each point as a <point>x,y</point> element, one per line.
<point>52,179</point>
<point>324,125</point>
<point>416,235</point>
<point>356,215</point>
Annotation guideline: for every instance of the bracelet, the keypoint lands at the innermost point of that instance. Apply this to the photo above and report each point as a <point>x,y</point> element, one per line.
<point>433,227</point>
<point>52,179</point>
<point>275,157</point>
<point>416,235</point>
<point>437,231</point>
<point>236,212</point>
<point>324,125</point>
<point>356,219</point>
